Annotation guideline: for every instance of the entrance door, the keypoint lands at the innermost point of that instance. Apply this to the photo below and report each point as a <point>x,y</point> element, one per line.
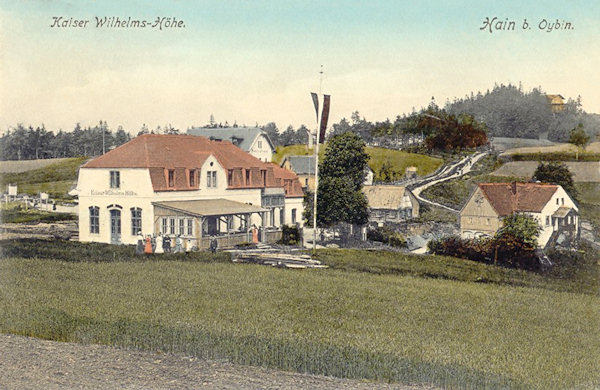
<point>212,225</point>
<point>115,226</point>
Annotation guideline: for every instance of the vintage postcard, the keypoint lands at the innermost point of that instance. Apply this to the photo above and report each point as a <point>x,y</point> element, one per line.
<point>300,194</point>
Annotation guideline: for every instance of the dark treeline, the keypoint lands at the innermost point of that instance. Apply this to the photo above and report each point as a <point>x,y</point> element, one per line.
<point>508,111</point>
<point>287,137</point>
<point>27,143</point>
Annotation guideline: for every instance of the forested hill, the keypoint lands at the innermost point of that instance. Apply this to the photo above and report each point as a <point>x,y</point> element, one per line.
<point>508,111</point>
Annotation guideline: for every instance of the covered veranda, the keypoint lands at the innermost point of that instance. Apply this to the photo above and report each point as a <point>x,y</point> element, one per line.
<point>229,222</point>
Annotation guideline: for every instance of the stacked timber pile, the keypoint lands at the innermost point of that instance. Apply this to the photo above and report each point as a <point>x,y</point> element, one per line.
<point>282,260</point>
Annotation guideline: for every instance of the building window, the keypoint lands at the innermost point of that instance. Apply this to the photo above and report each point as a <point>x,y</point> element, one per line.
<point>115,179</point>
<point>557,201</point>
<point>94,219</point>
<point>165,226</point>
<point>182,227</point>
<point>570,220</point>
<point>136,220</point>
<point>487,221</point>
<point>562,201</point>
<point>172,225</point>
<point>211,179</point>
<point>171,177</point>
<point>190,227</point>
<point>306,182</point>
<point>247,177</point>
<point>260,144</point>
<point>547,221</point>
<point>293,215</point>
<point>192,177</point>
<point>470,219</point>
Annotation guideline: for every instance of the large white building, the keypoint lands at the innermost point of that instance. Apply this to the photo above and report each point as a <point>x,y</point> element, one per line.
<point>184,185</point>
<point>556,212</point>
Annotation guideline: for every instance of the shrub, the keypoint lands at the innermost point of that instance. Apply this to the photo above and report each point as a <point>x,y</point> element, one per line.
<point>72,251</point>
<point>386,235</point>
<point>290,235</point>
<point>476,249</point>
<point>16,213</point>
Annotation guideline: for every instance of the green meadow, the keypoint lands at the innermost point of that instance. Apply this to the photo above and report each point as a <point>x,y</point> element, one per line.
<point>56,178</point>
<point>397,160</point>
<point>397,319</point>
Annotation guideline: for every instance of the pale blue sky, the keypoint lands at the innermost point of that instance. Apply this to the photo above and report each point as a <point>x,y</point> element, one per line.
<point>257,61</point>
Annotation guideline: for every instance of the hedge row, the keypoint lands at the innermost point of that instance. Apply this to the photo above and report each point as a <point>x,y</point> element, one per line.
<point>94,252</point>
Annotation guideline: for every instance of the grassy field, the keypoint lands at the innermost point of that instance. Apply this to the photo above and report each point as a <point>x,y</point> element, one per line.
<point>56,178</point>
<point>398,159</point>
<point>582,171</point>
<point>392,326</point>
<point>17,166</point>
<point>589,205</point>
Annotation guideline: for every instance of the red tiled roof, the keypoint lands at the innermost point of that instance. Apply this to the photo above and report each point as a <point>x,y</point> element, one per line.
<point>181,153</point>
<point>291,184</point>
<point>508,198</point>
<point>173,151</point>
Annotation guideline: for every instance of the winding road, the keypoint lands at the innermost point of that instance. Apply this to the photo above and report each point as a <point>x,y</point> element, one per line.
<point>448,172</point>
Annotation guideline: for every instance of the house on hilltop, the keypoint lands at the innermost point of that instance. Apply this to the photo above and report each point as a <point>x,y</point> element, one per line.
<point>556,102</point>
<point>556,212</point>
<point>250,139</point>
<point>391,204</point>
<point>183,185</point>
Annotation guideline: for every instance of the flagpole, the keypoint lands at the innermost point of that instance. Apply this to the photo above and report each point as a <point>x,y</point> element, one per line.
<point>316,151</point>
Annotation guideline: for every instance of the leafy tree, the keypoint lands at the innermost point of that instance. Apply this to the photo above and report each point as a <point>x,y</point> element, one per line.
<point>579,138</point>
<point>273,133</point>
<point>387,173</point>
<point>556,173</point>
<point>341,176</point>
<point>516,241</point>
<point>22,143</point>
<point>288,137</point>
<point>359,126</point>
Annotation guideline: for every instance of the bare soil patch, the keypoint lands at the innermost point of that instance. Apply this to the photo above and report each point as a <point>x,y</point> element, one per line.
<point>29,363</point>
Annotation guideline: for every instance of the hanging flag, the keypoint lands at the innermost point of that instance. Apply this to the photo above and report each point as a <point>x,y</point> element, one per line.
<point>324,117</point>
<point>316,103</point>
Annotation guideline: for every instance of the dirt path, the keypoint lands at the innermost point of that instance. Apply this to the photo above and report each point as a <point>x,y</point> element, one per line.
<point>29,363</point>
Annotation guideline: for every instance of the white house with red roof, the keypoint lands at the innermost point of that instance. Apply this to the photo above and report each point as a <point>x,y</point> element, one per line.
<point>184,185</point>
<point>556,212</point>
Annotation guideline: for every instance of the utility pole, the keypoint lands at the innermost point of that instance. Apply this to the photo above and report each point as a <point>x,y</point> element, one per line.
<point>103,143</point>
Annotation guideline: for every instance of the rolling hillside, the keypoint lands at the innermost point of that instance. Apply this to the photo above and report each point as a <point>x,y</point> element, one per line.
<point>398,159</point>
